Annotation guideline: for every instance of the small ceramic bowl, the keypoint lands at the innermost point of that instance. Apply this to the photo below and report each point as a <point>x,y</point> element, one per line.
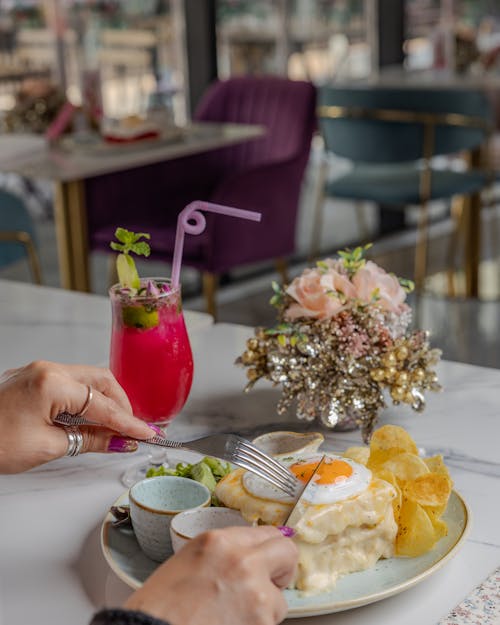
<point>154,502</point>
<point>286,443</point>
<point>189,524</point>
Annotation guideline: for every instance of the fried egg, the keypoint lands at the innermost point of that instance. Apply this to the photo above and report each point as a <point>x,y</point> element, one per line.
<point>337,479</point>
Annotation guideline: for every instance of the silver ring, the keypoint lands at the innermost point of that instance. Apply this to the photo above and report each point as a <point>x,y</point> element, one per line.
<point>75,441</point>
<point>87,401</point>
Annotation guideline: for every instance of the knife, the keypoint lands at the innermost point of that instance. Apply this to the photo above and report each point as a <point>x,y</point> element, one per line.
<point>297,511</point>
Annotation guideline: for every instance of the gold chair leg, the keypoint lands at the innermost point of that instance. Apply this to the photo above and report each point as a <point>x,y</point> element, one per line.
<point>472,247</point>
<point>457,205</point>
<point>24,239</point>
<point>421,248</point>
<point>281,265</point>
<point>34,261</point>
<point>472,231</point>
<point>495,244</point>
<point>318,213</point>
<point>210,283</point>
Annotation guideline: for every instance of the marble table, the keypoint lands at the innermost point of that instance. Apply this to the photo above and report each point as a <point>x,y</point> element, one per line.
<point>52,571</point>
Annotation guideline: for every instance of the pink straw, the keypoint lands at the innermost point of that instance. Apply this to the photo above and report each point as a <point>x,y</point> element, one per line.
<point>192,212</point>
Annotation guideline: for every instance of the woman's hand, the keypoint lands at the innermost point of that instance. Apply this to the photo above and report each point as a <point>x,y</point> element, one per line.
<point>233,576</point>
<point>30,398</point>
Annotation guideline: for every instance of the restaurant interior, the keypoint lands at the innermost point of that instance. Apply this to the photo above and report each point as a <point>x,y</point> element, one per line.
<point>151,64</point>
<point>278,219</point>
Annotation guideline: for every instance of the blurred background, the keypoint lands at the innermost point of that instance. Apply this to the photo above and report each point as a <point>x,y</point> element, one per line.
<point>128,59</point>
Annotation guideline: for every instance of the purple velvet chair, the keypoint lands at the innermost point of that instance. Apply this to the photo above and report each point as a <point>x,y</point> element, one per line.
<point>264,174</point>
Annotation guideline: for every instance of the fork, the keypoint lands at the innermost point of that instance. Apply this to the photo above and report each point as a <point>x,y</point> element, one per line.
<point>230,447</point>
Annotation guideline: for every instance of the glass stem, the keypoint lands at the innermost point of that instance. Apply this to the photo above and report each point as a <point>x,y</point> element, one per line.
<point>157,455</point>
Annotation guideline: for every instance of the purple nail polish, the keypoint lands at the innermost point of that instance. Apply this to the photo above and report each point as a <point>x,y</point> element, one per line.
<point>288,532</point>
<point>119,444</point>
<point>157,430</point>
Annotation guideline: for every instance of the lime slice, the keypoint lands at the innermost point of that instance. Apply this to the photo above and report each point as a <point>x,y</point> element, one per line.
<point>139,317</point>
<point>127,271</point>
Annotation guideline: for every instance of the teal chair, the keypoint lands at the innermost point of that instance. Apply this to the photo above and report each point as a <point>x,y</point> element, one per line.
<point>391,136</point>
<point>17,234</point>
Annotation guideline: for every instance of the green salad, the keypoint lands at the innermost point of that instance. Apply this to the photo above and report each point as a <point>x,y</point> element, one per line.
<point>208,472</point>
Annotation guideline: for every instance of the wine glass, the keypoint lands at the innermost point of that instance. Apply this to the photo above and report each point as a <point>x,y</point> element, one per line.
<point>151,355</point>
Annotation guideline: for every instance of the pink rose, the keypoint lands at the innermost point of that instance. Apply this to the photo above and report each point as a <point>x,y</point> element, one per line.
<point>373,284</point>
<point>319,294</point>
<point>333,263</point>
<point>332,280</point>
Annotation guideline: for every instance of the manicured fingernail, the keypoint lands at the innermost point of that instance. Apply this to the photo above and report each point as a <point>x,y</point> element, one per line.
<point>120,445</point>
<point>288,532</point>
<point>157,429</point>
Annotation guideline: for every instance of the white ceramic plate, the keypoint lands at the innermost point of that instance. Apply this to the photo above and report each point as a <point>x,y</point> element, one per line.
<point>94,145</point>
<point>387,578</point>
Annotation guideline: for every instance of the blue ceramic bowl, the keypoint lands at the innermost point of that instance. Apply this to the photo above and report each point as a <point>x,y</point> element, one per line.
<point>154,502</point>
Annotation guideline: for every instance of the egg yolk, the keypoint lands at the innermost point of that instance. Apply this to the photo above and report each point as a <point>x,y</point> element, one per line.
<point>331,471</point>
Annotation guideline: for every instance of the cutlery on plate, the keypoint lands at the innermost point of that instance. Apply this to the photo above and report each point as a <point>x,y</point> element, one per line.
<point>230,447</point>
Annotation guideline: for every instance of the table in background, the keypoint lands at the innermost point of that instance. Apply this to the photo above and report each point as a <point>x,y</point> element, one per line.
<point>31,157</point>
<point>397,77</point>
<point>52,569</point>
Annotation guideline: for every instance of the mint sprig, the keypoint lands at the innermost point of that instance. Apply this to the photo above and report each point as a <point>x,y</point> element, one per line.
<point>129,242</point>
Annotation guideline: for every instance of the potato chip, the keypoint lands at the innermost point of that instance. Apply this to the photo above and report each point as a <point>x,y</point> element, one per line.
<point>383,474</point>
<point>435,512</point>
<point>416,534</point>
<point>358,454</point>
<point>432,489</point>
<point>406,466</point>
<point>422,485</point>
<point>440,528</point>
<point>389,441</point>
<point>436,465</point>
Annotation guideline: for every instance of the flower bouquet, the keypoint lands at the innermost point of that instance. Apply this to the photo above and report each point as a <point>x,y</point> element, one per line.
<point>342,344</point>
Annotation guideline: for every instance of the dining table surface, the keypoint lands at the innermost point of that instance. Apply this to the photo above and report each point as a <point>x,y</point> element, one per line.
<point>77,157</point>
<point>398,76</point>
<point>52,567</point>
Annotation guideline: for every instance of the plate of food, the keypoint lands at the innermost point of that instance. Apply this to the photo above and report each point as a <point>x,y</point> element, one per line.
<point>129,135</point>
<point>382,519</point>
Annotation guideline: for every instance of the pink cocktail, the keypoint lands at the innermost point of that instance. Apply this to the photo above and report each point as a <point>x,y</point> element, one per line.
<point>150,352</point>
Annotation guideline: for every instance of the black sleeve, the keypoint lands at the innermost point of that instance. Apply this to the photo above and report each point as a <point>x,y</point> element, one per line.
<point>116,616</point>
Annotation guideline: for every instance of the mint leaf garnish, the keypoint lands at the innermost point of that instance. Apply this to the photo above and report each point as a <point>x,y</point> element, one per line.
<point>141,249</point>
<point>129,242</point>
<point>127,237</point>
